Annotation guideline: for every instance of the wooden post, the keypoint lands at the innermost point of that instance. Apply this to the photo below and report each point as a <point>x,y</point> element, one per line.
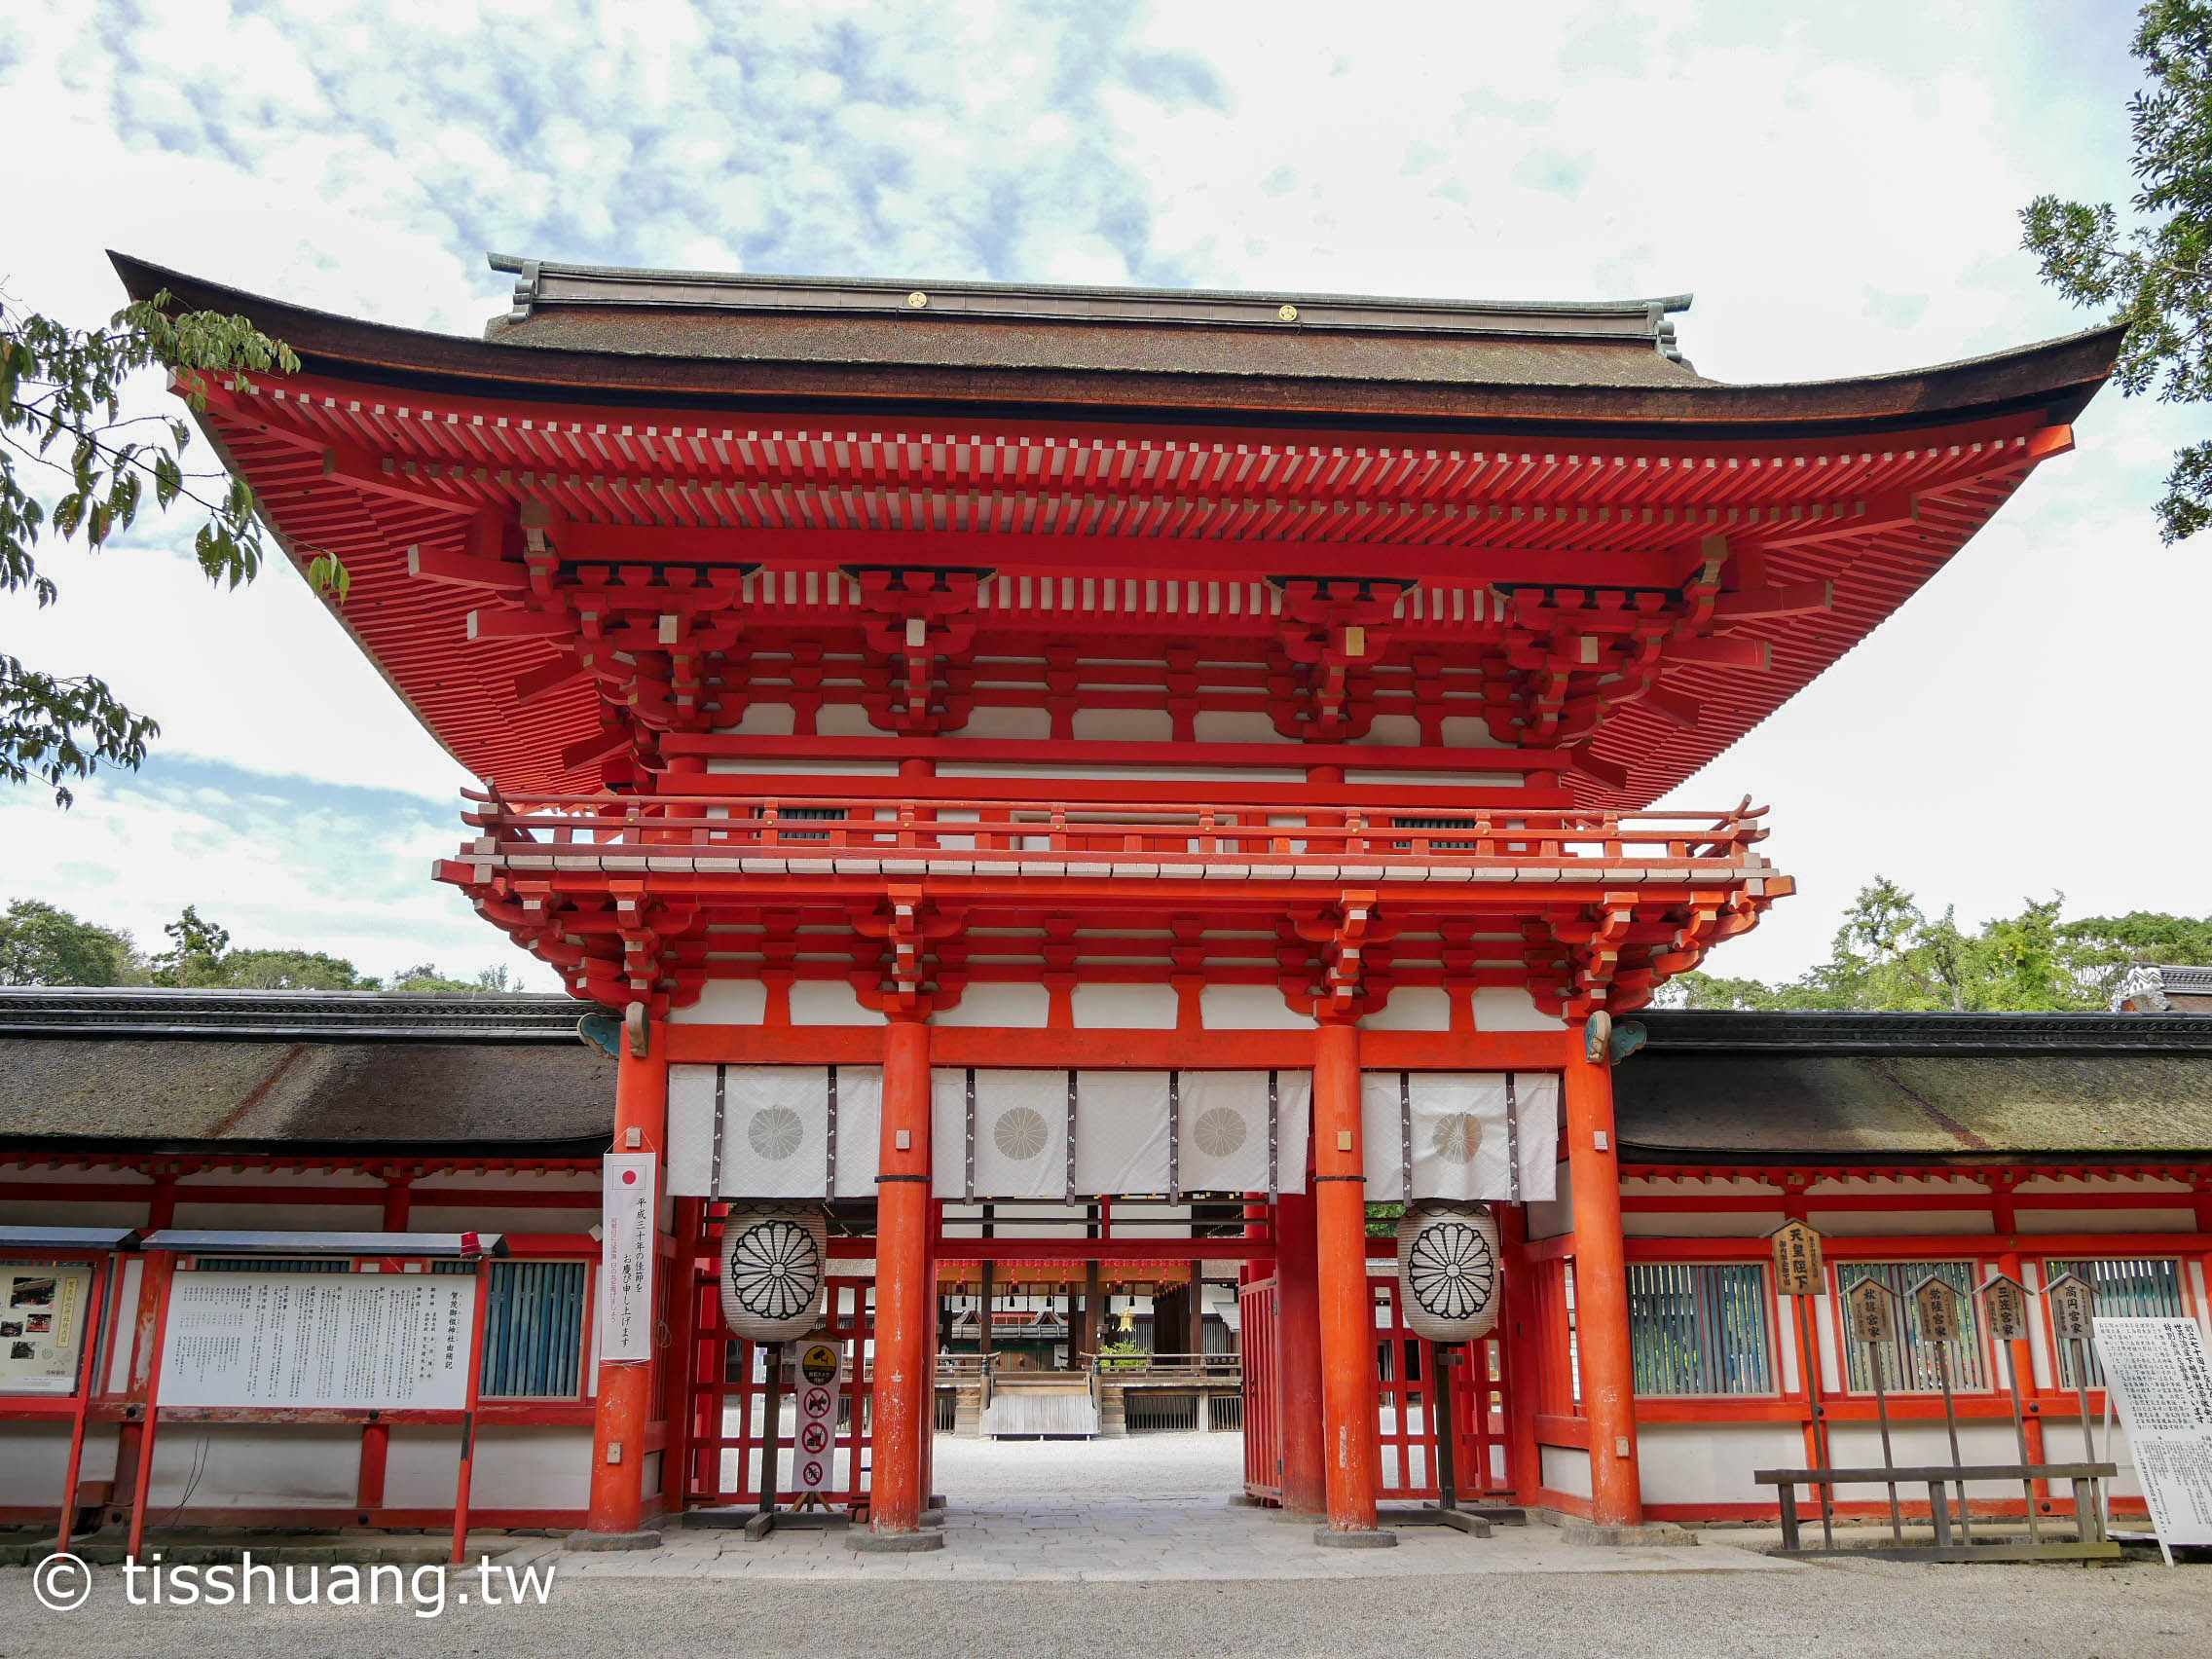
<point>771,1431</point>
<point>466,1477</point>
<point>1601,1290</point>
<point>625,1385</point>
<point>161,1273</point>
<point>1351,1432</point>
<point>1442,1358</point>
<point>1092,1323</point>
<point>1524,1458</point>
<point>89,1343</point>
<point>1298,1356</point>
<point>902,1287</point>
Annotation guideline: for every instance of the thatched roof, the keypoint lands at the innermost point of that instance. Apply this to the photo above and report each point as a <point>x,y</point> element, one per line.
<point>281,1068</point>
<point>1727,1087</point>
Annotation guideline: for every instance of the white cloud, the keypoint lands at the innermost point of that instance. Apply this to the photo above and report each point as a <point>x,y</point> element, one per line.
<point>1838,184</point>
<point>283,863</point>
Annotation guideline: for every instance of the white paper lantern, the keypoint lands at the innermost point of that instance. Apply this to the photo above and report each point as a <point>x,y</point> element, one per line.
<point>775,1269</point>
<point>1450,1274</point>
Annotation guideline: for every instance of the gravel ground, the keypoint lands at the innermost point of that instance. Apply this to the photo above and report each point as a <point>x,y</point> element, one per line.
<point>1709,1602</point>
<point>1856,1608</point>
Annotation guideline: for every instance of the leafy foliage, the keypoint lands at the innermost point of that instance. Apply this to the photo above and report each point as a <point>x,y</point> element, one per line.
<point>1890,954</point>
<point>61,421</point>
<point>43,944</point>
<point>2157,269</point>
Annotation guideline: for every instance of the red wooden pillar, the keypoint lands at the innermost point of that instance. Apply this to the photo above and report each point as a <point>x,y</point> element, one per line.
<point>904,1290</point>
<point>1352,1454</point>
<point>1298,1355</point>
<point>1601,1290</point>
<point>625,1385</point>
<point>1524,1458</point>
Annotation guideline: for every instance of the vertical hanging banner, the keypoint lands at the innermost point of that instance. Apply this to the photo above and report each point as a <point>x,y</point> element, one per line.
<point>814,1450</point>
<point>627,1214</point>
<point>2161,1380</point>
<point>1484,1137</point>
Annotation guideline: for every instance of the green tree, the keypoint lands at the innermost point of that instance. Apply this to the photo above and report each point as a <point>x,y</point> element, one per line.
<point>1890,955</point>
<point>289,971</point>
<point>43,944</point>
<point>61,421</point>
<point>195,956</point>
<point>199,957</point>
<point>2155,270</point>
<point>425,977</point>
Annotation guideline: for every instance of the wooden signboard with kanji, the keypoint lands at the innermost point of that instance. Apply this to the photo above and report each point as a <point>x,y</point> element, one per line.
<point>1872,1309</point>
<point>2072,1306</point>
<point>1796,1260</point>
<point>2004,1305</point>
<point>1935,1308</point>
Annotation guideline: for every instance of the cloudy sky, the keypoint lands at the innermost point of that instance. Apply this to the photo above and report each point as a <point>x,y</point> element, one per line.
<point>1837,184</point>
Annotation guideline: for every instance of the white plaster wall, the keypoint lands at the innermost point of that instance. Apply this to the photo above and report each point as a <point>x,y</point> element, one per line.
<point>1750,1224</point>
<point>1418,1008</point>
<point>125,1353</point>
<point>1392,732</point>
<point>1892,1223</point>
<point>1123,725</point>
<point>1394,775</point>
<point>2106,1219</point>
<point>1567,1468</point>
<point>1026,1006</point>
<point>249,1467</point>
<point>1029,725</point>
<point>97,1175</point>
<point>829,1001</point>
<point>764,720</point>
<point>1707,1462</point>
<point>843,719</point>
<point>768,768</point>
<point>1468,732</point>
<point>725,1002</point>
<point>34,1456</point>
<point>1981,1440</point>
<point>75,1212</point>
<point>481,1218</point>
<point>1127,1008</point>
<point>1238,725</point>
<point>1249,1008</point>
<point>309,1218</point>
<point>278,1180</point>
<point>1510,1008</point>
<point>1548,1218</point>
<point>516,1468</point>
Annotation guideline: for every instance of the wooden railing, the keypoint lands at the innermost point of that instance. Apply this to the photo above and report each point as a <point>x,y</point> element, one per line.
<point>1217,1368</point>
<point>717,834</point>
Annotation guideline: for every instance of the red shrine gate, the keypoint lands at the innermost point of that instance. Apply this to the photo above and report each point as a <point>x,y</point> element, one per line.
<point>931,681</point>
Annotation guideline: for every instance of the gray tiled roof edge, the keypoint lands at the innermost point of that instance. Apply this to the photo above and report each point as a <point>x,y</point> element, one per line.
<point>352,1017</point>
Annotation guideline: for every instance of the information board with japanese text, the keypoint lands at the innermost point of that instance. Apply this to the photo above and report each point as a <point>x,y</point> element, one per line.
<point>347,1341</point>
<point>2161,1380</point>
<point>627,1211</point>
<point>41,1325</point>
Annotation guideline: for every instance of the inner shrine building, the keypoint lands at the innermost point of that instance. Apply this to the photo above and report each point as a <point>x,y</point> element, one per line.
<point>1093,788</point>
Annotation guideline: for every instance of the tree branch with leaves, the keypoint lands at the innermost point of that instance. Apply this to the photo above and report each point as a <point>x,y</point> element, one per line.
<point>2155,270</point>
<point>62,423</point>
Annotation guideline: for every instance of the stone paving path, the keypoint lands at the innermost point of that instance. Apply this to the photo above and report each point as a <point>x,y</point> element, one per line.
<point>1071,1539</point>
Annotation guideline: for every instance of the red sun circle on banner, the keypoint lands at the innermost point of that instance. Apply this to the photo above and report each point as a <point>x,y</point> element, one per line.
<point>629,1177</point>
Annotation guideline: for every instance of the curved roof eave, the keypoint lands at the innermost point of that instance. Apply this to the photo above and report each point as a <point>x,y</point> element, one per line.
<point>2058,376</point>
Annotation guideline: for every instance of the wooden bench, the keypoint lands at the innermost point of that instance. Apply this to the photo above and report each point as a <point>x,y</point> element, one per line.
<point>2090,1542</point>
